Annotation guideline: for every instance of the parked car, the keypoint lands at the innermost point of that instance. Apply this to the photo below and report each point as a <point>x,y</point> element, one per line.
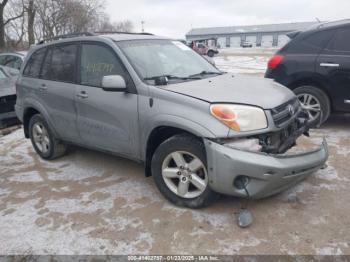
<point>7,98</point>
<point>199,131</point>
<point>203,49</point>
<point>12,60</point>
<point>315,64</point>
<point>246,44</point>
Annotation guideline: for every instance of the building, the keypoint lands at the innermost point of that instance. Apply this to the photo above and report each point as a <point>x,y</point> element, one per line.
<point>274,35</point>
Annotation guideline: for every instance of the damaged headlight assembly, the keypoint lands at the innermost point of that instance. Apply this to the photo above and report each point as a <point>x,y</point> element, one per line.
<point>241,118</point>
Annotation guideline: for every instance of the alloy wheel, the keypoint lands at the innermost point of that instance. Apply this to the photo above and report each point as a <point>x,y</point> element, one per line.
<point>311,104</point>
<point>184,174</point>
<point>41,138</point>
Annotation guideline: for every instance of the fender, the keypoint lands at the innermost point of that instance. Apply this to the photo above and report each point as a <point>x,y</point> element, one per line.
<point>32,103</point>
<point>165,120</point>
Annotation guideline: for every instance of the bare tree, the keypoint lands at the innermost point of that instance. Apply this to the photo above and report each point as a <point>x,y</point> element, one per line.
<point>25,21</point>
<point>107,26</point>
<point>11,15</point>
<point>30,9</point>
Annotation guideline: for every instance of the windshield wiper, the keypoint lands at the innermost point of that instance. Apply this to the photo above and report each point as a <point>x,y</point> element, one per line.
<point>207,73</point>
<point>163,79</point>
<point>170,77</point>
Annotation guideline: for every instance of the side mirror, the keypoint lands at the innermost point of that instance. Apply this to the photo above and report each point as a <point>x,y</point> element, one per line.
<point>114,83</point>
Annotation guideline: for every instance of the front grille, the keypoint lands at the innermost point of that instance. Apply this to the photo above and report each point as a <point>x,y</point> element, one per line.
<point>283,113</point>
<point>7,104</point>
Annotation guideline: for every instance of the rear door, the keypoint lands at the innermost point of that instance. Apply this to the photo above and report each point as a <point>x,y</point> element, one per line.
<point>301,56</point>
<point>334,64</point>
<point>57,88</point>
<point>106,120</point>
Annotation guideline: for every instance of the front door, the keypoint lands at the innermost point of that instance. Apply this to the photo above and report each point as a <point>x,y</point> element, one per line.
<point>334,64</point>
<point>106,120</point>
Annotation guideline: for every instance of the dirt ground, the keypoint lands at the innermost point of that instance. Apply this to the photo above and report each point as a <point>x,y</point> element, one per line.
<point>92,203</point>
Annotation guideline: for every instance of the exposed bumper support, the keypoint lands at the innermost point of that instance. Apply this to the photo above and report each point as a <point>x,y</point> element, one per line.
<point>268,174</point>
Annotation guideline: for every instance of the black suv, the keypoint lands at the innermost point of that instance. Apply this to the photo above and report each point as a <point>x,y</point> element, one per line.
<point>315,64</point>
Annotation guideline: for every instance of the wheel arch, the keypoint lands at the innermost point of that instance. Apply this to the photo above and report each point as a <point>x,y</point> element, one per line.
<point>28,114</point>
<point>157,137</point>
<point>31,109</point>
<point>315,82</point>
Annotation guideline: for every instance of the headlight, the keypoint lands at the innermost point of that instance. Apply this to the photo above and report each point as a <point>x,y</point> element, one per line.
<point>240,118</point>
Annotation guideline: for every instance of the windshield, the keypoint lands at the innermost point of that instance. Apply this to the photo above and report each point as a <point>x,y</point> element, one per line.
<point>172,59</point>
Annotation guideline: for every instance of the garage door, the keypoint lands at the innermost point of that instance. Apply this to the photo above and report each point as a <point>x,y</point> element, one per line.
<point>222,42</point>
<point>251,39</point>
<point>283,40</point>
<point>235,41</point>
<point>267,41</point>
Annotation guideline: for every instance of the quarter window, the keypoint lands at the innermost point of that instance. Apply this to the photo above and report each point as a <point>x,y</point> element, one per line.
<point>34,64</point>
<point>96,62</point>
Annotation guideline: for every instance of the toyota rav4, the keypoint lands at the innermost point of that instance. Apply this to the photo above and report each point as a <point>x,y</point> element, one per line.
<point>198,131</point>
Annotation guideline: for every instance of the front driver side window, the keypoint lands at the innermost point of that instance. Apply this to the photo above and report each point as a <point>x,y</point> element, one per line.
<point>96,62</point>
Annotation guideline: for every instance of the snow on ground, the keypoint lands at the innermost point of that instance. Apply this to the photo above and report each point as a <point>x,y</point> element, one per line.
<point>255,65</point>
<point>248,51</point>
<point>251,61</point>
<point>92,203</point>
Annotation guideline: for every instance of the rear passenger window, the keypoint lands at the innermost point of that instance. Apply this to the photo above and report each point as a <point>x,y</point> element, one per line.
<point>320,39</point>
<point>34,64</point>
<point>60,64</point>
<point>311,44</point>
<point>96,62</point>
<point>341,41</point>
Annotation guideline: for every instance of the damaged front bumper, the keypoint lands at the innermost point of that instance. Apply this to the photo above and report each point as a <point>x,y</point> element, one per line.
<point>257,175</point>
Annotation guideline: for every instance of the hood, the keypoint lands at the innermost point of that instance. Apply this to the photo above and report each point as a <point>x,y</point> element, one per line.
<point>227,88</point>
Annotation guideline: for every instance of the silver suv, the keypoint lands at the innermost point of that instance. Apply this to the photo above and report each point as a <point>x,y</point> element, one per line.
<point>199,131</point>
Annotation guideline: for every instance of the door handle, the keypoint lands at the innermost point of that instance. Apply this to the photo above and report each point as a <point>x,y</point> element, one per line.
<point>43,87</point>
<point>329,65</point>
<point>82,95</point>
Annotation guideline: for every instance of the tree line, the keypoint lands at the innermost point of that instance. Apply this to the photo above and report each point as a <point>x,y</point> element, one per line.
<point>25,22</point>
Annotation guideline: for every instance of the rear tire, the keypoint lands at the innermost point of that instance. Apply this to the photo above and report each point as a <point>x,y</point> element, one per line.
<point>189,171</point>
<point>211,53</point>
<point>313,99</point>
<point>43,140</point>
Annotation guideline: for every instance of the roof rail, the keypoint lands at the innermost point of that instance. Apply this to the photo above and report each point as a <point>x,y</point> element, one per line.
<point>59,37</point>
<point>120,32</point>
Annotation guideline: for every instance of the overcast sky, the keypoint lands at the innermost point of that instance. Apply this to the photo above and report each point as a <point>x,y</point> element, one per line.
<point>174,18</point>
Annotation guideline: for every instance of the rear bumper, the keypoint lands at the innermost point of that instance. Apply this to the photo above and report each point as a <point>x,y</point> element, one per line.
<point>267,174</point>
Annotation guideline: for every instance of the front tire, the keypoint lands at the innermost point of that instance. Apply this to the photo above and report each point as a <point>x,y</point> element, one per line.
<point>315,102</point>
<point>179,169</point>
<point>43,140</point>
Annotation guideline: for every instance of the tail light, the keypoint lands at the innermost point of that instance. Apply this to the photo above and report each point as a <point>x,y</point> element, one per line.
<point>275,61</point>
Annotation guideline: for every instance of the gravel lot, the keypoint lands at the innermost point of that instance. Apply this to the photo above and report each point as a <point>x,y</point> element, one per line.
<point>92,203</point>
